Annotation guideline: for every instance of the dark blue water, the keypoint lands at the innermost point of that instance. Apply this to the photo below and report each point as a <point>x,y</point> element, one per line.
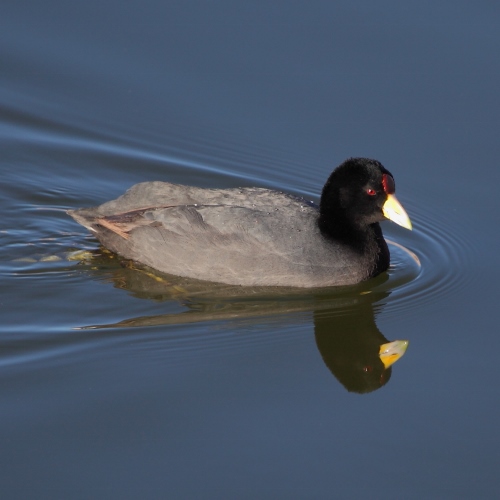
<point>120,384</point>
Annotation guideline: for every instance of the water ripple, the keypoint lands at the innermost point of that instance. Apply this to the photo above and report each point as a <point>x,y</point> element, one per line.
<point>428,263</point>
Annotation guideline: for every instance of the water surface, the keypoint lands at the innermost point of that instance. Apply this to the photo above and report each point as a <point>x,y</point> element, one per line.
<point>120,383</point>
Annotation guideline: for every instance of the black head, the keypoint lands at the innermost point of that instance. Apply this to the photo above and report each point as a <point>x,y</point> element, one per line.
<point>358,193</point>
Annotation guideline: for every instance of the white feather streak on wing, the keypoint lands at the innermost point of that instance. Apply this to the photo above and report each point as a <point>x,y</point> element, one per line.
<point>113,227</point>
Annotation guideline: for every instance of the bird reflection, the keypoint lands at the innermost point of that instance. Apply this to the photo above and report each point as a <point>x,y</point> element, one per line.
<point>347,337</point>
<point>353,348</point>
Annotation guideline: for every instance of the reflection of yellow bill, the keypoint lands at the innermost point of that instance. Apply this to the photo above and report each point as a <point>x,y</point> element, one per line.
<point>394,211</point>
<point>389,353</point>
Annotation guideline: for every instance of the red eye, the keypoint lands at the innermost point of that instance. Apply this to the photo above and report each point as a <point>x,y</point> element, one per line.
<point>371,192</point>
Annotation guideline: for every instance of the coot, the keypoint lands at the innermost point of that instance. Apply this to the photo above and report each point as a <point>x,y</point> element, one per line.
<point>255,236</point>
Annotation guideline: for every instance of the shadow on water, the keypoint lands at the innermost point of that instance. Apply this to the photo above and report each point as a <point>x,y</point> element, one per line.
<point>346,334</point>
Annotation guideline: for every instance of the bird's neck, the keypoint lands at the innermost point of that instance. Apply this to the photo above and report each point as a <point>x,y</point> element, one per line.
<point>367,241</point>
<point>340,227</point>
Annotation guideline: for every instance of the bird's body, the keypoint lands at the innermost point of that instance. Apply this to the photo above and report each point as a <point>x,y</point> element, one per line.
<point>246,236</point>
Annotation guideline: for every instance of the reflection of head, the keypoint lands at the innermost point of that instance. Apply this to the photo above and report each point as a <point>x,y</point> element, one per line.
<point>349,342</point>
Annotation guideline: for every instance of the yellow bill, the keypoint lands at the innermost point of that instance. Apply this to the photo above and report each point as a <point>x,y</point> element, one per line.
<point>393,210</point>
<point>389,353</point>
